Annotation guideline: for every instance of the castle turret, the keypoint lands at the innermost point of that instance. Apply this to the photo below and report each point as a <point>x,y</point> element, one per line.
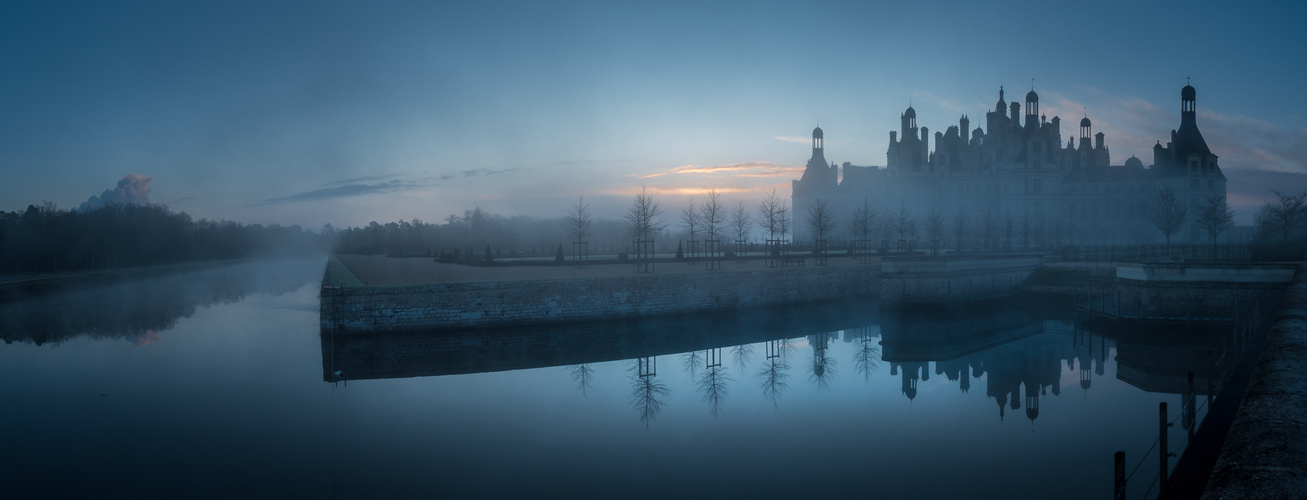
<point>1032,108</point>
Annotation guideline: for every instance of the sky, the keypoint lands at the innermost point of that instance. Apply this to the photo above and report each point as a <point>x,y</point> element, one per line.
<point>348,112</point>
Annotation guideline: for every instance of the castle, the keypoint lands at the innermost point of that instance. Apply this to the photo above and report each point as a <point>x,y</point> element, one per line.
<point>1017,173</point>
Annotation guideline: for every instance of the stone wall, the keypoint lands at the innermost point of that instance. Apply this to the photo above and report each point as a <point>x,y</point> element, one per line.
<point>1265,454</point>
<point>910,280</point>
<point>488,304</point>
<point>1199,290</point>
<point>451,352</point>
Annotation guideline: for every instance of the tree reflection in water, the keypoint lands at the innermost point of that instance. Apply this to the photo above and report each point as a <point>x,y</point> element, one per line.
<point>773,377</point>
<point>714,381</point>
<point>581,375</point>
<point>690,362</point>
<point>741,354</point>
<point>866,358</point>
<point>823,368</point>
<point>646,390</point>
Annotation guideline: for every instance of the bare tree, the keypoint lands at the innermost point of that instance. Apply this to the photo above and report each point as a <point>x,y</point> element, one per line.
<point>1215,217</point>
<point>769,214</point>
<point>1167,212</point>
<point>741,223</point>
<point>644,218</point>
<point>935,228</point>
<point>820,219</point>
<point>1284,216</point>
<point>713,214</point>
<point>784,219</point>
<point>961,228</point>
<point>903,225</point>
<point>578,221</point>
<point>864,220</point>
<point>691,220</point>
<point>989,230</point>
<point>1027,230</point>
<point>1008,226</point>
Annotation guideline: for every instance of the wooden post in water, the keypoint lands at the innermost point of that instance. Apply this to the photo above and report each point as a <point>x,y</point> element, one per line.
<point>1193,412</point>
<point>1162,453</point>
<point>1118,476</point>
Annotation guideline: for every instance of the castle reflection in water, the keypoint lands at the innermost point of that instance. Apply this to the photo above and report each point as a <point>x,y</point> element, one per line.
<point>1021,355</point>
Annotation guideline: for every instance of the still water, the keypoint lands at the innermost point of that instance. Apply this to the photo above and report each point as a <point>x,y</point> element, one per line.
<point>219,384</point>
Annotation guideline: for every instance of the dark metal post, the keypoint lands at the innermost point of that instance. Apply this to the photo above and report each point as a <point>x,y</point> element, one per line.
<point>1162,451</point>
<point>1118,475</point>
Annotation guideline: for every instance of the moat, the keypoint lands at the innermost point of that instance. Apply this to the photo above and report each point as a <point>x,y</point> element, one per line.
<point>222,383</point>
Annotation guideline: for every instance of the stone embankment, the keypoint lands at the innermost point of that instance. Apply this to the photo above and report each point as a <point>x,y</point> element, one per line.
<point>1265,454</point>
<point>933,280</point>
<point>515,303</point>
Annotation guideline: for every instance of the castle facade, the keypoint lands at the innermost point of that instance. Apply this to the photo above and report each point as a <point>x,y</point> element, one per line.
<point>1016,175</point>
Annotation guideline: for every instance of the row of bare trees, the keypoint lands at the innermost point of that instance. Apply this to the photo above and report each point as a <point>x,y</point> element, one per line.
<point>713,218</point>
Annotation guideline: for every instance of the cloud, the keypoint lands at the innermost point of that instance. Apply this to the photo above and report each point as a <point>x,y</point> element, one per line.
<point>346,191</point>
<point>1250,143</point>
<point>678,191</point>
<point>1248,189</point>
<point>797,139</point>
<point>945,104</point>
<point>363,179</point>
<point>396,185</point>
<point>486,171</point>
<point>755,169</point>
<point>132,189</point>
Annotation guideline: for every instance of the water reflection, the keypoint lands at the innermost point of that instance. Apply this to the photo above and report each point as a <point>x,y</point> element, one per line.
<point>647,392</point>
<point>1018,354</point>
<point>690,362</point>
<point>773,377</point>
<point>138,311</point>
<point>867,356</point>
<point>822,368</point>
<point>741,354</point>
<point>713,384</point>
<point>419,354</point>
<point>581,374</point>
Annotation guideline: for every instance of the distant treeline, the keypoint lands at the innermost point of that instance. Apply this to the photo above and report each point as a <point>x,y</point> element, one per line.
<point>47,239</point>
<point>474,230</point>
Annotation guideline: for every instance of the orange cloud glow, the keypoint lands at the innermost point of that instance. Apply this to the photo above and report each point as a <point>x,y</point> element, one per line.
<point>748,169</point>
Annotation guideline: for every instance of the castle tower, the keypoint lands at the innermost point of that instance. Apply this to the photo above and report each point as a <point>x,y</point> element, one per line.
<point>909,122</point>
<point>1032,108</point>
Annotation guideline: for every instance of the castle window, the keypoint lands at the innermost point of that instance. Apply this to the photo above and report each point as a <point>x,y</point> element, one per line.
<point>1211,184</point>
<point>1039,147</point>
<point>1037,183</point>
